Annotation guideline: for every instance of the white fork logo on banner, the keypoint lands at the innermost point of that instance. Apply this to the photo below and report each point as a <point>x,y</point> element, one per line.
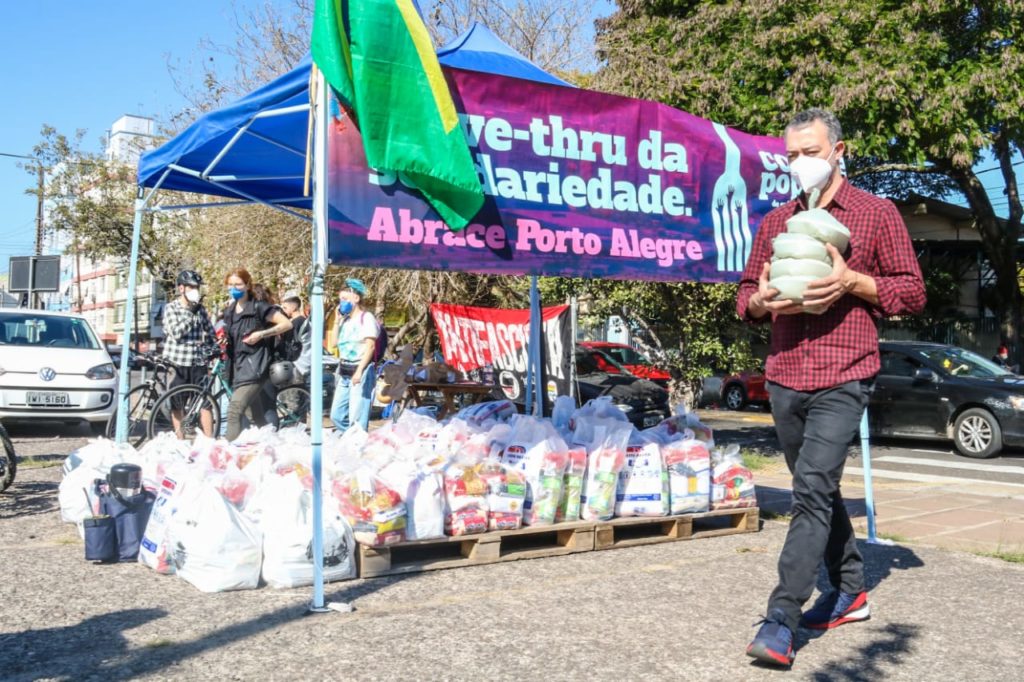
<point>729,210</point>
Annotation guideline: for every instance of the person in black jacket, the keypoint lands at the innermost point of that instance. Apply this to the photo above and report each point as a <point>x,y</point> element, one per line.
<point>252,323</point>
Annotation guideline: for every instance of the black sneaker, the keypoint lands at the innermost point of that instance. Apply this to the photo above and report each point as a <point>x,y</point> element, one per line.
<point>774,641</point>
<point>835,608</point>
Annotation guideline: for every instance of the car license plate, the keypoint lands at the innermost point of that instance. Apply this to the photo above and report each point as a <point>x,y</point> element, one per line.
<point>48,399</point>
<point>652,420</point>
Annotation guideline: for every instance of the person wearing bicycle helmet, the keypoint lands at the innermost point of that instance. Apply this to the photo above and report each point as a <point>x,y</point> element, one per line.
<point>356,331</point>
<point>189,340</point>
<point>252,322</point>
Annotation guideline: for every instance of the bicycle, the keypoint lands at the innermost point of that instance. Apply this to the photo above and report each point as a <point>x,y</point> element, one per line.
<point>294,402</point>
<point>192,400</point>
<point>141,400</point>
<point>8,460</point>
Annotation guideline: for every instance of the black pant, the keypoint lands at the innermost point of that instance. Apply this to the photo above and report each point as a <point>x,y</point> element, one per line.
<point>815,429</point>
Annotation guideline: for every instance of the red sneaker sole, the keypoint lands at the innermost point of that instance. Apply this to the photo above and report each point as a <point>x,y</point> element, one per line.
<point>863,613</point>
<point>766,655</point>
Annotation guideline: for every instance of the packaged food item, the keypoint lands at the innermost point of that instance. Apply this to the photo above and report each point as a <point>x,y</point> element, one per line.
<point>643,479</point>
<point>682,420</point>
<point>468,521</point>
<point>536,449</point>
<point>689,475</point>
<point>375,511</point>
<point>422,490</point>
<point>732,484</point>
<point>487,414</point>
<point>233,485</point>
<point>606,456</point>
<point>466,495</point>
<point>572,486</point>
<point>506,494</point>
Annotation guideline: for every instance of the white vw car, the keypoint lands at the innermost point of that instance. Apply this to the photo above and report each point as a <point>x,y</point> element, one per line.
<point>52,367</point>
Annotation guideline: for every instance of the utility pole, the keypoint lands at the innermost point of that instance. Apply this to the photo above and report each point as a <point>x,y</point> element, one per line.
<point>39,221</point>
<point>39,209</point>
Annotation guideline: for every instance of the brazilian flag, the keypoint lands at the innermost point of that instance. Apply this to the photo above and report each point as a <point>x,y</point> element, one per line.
<point>378,57</point>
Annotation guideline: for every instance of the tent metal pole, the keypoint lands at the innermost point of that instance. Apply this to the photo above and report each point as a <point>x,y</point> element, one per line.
<point>121,435</point>
<point>238,192</point>
<point>869,490</point>
<point>244,129</point>
<point>320,116</point>
<point>536,339</point>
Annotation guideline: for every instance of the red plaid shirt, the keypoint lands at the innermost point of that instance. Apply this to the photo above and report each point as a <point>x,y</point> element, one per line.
<point>811,352</point>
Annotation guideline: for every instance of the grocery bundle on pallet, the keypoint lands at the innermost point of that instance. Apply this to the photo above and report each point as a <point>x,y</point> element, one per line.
<point>486,485</point>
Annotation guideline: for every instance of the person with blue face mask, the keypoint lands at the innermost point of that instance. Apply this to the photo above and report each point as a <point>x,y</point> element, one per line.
<point>252,321</point>
<point>356,331</point>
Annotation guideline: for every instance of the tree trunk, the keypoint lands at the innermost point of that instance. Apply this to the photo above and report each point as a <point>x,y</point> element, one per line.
<point>1000,246</point>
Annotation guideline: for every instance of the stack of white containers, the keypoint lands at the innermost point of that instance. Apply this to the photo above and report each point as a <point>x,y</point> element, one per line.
<point>799,255</point>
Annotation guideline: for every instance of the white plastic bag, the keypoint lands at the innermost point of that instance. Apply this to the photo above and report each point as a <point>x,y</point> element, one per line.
<point>154,549</point>
<point>287,525</point>
<point>75,492</point>
<point>643,481</point>
<point>214,547</point>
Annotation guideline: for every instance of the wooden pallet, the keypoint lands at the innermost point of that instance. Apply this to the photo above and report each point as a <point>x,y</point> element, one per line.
<point>628,532</point>
<point>530,542</point>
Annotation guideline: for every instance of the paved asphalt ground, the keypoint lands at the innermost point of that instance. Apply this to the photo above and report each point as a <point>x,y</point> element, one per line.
<point>681,610</point>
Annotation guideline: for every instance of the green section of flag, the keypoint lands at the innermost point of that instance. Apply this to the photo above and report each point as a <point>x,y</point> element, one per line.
<point>378,57</point>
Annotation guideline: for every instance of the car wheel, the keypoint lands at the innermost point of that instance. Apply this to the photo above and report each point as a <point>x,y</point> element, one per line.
<point>976,433</point>
<point>735,397</point>
<point>99,429</point>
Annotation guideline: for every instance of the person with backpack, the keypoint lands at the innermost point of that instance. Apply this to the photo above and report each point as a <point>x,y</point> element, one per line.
<point>359,349</point>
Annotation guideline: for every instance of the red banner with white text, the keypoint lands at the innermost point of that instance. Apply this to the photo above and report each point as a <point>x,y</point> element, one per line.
<point>474,338</point>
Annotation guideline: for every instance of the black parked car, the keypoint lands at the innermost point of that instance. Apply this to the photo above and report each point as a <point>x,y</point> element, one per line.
<point>934,391</point>
<point>644,403</point>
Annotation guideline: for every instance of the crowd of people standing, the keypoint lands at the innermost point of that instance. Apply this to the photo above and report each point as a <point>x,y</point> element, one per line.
<point>266,344</point>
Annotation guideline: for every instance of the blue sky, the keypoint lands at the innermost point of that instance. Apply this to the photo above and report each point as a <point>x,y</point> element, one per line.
<point>83,65</point>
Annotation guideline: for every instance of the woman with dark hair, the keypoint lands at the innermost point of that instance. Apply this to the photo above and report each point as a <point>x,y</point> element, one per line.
<point>252,322</point>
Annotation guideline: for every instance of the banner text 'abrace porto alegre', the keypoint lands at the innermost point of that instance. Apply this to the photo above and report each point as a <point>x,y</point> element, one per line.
<point>578,184</point>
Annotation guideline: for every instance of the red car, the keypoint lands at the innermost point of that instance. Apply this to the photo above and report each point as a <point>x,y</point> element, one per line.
<point>628,357</point>
<point>738,390</point>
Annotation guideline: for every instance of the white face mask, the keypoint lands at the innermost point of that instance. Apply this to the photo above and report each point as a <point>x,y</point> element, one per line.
<point>192,295</point>
<point>812,172</point>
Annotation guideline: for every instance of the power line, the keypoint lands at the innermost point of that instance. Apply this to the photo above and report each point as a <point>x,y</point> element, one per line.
<point>995,168</point>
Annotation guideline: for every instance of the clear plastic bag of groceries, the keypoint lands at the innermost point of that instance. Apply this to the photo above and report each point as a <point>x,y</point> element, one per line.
<point>375,511</point>
<point>643,480</point>
<point>606,441</point>
<point>732,483</point>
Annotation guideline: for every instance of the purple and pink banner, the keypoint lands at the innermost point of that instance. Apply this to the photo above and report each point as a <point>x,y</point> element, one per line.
<point>577,184</point>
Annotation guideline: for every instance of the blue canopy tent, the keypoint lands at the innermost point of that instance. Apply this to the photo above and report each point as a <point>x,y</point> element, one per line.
<point>255,151</point>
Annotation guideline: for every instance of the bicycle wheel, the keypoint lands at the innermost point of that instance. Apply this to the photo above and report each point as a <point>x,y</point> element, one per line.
<point>191,401</point>
<point>292,406</point>
<point>140,406</point>
<point>8,461</point>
